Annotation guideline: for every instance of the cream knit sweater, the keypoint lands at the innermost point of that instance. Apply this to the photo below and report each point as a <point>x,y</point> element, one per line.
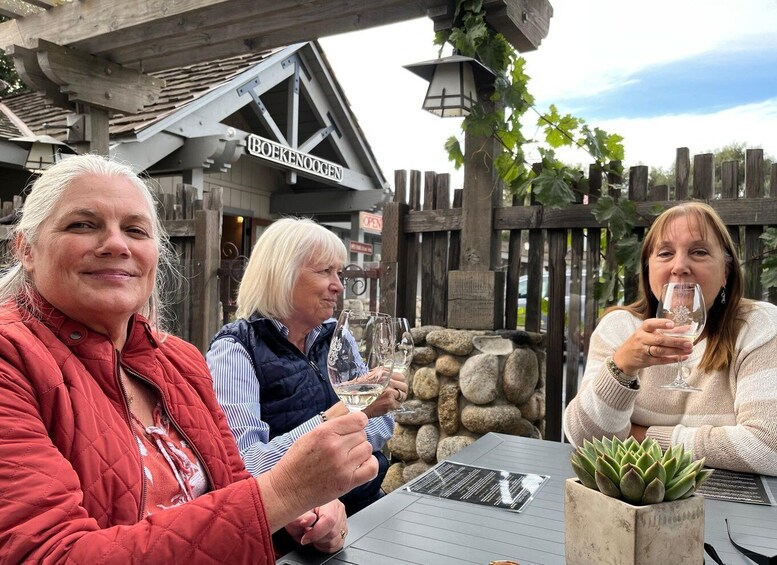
<point>732,422</point>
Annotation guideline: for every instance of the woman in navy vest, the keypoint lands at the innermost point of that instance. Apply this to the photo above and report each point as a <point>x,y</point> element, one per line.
<point>269,366</point>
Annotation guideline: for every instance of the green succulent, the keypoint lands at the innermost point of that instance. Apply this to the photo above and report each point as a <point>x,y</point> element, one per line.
<point>638,473</point>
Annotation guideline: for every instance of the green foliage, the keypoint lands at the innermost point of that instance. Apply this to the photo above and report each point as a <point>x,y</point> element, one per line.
<point>638,473</point>
<point>769,261</point>
<point>8,74</point>
<point>552,183</point>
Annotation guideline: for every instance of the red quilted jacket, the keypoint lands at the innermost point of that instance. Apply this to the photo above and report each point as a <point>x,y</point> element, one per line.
<point>70,471</point>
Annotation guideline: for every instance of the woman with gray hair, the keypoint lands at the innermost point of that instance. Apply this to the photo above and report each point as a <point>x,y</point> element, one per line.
<point>269,366</point>
<point>114,449</point>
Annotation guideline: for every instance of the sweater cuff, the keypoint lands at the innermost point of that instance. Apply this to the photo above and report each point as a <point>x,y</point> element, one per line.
<point>612,392</point>
<point>662,434</point>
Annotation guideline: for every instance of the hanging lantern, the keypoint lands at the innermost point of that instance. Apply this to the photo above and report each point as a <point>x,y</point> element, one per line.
<point>453,84</point>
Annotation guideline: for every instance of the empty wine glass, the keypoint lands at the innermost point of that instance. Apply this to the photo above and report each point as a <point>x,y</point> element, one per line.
<point>361,357</point>
<point>403,352</point>
<point>683,303</point>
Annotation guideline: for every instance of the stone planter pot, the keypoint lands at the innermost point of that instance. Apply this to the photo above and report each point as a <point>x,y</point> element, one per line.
<point>601,529</point>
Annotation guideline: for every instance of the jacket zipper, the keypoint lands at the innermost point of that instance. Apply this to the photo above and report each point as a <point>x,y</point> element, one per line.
<point>134,435</point>
<point>169,414</point>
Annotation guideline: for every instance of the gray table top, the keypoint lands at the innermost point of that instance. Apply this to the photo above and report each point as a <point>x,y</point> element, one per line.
<point>404,528</point>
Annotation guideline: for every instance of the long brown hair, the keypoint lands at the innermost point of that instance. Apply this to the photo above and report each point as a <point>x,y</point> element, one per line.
<point>723,323</point>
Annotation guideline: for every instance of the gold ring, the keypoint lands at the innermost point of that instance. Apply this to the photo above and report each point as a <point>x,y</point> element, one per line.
<point>648,351</point>
<point>343,533</point>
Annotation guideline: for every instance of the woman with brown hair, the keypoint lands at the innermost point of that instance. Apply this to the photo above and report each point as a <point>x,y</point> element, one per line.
<point>733,420</point>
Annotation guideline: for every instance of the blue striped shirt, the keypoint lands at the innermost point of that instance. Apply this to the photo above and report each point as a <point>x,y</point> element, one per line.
<point>238,392</point>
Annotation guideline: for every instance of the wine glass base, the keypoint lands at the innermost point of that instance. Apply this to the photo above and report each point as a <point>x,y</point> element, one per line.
<point>680,387</point>
<point>401,410</point>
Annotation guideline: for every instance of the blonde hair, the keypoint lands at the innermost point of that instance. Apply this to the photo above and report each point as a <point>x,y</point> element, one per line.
<point>44,195</point>
<point>279,255</point>
<point>723,322</point>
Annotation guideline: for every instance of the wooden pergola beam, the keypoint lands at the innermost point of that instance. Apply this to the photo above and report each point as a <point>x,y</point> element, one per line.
<point>152,35</point>
<point>85,78</point>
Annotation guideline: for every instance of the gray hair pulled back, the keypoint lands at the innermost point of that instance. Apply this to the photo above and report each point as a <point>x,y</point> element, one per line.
<point>43,197</point>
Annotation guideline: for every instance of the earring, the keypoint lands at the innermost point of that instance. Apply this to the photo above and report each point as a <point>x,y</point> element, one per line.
<point>722,294</point>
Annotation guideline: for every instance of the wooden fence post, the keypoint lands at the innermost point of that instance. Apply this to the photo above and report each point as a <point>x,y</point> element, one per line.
<point>206,285</point>
<point>754,188</point>
<point>476,292</point>
<point>393,265</point>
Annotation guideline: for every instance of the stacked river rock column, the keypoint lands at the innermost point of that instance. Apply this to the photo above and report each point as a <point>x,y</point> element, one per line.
<point>464,384</point>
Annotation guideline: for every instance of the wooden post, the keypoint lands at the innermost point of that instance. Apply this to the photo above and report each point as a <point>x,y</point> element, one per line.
<point>682,171</point>
<point>99,133</point>
<point>554,379</point>
<point>393,265</point>
<point>476,291</point>
<point>754,188</point>
<point>206,288</point>
<point>638,186</point>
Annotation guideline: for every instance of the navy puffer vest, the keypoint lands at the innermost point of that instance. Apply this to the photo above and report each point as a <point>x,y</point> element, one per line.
<point>294,387</point>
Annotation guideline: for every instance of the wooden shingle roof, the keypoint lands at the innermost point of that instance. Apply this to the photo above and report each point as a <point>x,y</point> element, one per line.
<point>182,86</point>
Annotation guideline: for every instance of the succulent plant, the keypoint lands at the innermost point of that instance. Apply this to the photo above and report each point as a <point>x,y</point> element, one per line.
<point>638,473</point>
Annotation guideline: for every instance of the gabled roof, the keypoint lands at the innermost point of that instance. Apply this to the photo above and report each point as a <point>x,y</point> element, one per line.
<point>197,99</point>
<point>182,86</point>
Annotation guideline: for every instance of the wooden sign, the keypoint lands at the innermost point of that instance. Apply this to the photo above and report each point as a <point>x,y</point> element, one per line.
<point>360,247</point>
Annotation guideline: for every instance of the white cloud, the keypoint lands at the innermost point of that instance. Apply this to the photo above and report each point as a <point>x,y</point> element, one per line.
<point>652,141</point>
<point>592,45</point>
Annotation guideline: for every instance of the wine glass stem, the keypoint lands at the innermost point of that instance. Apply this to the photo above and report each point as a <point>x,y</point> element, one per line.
<point>678,379</point>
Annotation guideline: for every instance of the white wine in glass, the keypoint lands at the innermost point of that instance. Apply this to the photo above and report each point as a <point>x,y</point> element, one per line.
<point>403,352</point>
<point>361,357</point>
<point>683,303</point>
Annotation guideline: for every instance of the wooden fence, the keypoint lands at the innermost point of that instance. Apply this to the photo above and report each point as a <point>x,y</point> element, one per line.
<point>194,228</point>
<point>421,243</point>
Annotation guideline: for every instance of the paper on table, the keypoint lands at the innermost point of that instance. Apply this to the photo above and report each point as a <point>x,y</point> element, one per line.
<point>476,485</point>
<point>737,487</point>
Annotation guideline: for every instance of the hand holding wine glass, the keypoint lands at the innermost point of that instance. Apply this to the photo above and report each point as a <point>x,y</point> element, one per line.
<point>361,357</point>
<point>683,303</point>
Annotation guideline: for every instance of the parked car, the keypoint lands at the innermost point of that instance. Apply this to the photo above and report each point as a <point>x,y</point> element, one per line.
<point>523,291</point>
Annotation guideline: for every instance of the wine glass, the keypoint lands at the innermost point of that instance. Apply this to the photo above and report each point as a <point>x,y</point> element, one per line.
<point>683,303</point>
<point>361,357</point>
<point>403,352</point>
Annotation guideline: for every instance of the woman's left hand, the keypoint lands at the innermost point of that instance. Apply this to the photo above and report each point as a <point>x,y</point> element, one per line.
<point>324,527</point>
<point>394,395</point>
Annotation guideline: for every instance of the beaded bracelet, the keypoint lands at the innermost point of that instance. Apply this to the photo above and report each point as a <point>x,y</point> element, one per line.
<point>620,376</point>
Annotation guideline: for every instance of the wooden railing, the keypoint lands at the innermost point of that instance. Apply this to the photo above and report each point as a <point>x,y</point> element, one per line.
<point>420,242</point>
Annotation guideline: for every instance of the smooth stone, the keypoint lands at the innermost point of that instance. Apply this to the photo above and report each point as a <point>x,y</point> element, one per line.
<point>426,442</point>
<point>504,419</point>
<point>534,408</point>
<point>415,469</point>
<point>424,355</point>
<point>419,412</point>
<point>452,445</point>
<point>455,342</point>
<point>402,443</point>
<point>448,406</point>
<point>493,344</point>
<point>478,378</point>
<point>447,365</point>
<point>393,479</point>
<point>426,384</point>
<point>520,377</point>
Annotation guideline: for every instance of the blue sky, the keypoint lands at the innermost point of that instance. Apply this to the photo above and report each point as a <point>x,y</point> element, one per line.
<point>702,84</point>
<point>664,74</point>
